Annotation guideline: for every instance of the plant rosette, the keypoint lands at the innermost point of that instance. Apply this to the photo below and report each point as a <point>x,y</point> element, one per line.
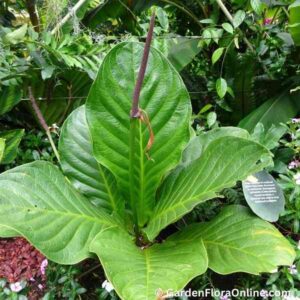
<point>114,194</point>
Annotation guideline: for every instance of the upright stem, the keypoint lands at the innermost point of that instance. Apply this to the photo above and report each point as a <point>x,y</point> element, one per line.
<point>66,18</point>
<point>137,90</point>
<point>202,8</point>
<point>34,19</point>
<point>42,121</point>
<point>225,11</point>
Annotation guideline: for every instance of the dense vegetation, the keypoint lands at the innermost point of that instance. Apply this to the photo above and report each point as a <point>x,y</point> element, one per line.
<point>239,97</point>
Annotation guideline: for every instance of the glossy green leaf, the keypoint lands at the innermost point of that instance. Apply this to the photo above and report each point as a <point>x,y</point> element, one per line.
<point>37,202</point>
<point>274,111</point>
<point>138,273</point>
<point>9,97</point>
<point>162,17</point>
<point>211,118</point>
<point>238,18</point>
<point>17,35</point>
<point>257,6</point>
<point>79,165</point>
<point>221,87</point>
<point>237,241</point>
<point>270,138</point>
<point>179,50</point>
<point>12,140</point>
<point>216,169</point>
<point>228,27</point>
<point>182,51</point>
<point>198,144</point>
<point>120,143</point>
<point>217,55</point>
<point>206,36</point>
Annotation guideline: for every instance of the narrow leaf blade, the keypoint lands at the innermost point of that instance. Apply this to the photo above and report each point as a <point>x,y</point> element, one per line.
<point>217,55</point>
<point>221,87</point>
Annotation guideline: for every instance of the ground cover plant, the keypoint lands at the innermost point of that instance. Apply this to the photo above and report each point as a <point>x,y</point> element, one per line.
<point>129,151</point>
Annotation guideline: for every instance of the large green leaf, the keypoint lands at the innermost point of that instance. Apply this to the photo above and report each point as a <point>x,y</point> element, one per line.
<point>225,161</point>
<point>237,241</point>
<point>12,140</point>
<point>37,202</point>
<point>180,50</point>
<point>120,143</point>
<point>198,144</point>
<point>275,111</point>
<point>294,21</point>
<point>9,97</point>
<point>79,165</point>
<point>138,273</point>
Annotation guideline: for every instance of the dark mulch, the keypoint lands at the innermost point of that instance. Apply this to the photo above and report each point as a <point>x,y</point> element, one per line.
<point>21,261</point>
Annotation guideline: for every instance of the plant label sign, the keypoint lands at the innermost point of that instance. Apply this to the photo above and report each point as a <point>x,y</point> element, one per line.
<point>264,196</point>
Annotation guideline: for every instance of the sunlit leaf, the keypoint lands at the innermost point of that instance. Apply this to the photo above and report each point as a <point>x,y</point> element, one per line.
<point>221,87</point>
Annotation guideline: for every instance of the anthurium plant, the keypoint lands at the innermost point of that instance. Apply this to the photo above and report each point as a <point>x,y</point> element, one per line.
<point>131,168</point>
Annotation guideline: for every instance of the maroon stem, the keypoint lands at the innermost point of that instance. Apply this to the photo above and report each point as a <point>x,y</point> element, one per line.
<point>37,110</point>
<point>42,121</point>
<point>137,90</point>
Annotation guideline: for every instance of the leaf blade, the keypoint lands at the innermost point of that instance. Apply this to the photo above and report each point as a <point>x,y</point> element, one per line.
<point>108,111</point>
<point>9,97</point>
<point>38,203</point>
<point>228,27</point>
<point>12,140</point>
<point>200,180</point>
<point>237,241</point>
<point>238,18</point>
<point>274,111</point>
<point>139,273</point>
<point>217,55</point>
<point>221,87</point>
<point>78,163</point>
